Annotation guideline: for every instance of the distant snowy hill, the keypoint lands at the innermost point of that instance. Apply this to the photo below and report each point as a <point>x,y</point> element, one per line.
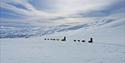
<point>14,30</point>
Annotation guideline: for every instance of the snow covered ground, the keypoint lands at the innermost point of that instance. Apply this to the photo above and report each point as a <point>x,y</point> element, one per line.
<point>24,24</point>
<point>108,47</point>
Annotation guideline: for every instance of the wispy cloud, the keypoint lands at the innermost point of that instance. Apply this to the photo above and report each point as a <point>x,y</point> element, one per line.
<point>39,12</point>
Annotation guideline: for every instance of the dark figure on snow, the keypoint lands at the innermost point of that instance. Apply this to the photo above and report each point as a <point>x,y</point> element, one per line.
<point>74,40</point>
<point>78,40</point>
<point>64,39</point>
<point>91,40</point>
<point>83,40</point>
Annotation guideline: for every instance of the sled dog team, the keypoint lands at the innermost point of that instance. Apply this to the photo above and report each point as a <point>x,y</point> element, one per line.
<point>64,39</point>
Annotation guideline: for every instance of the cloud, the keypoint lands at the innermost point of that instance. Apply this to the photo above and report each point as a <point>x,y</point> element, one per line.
<point>39,12</point>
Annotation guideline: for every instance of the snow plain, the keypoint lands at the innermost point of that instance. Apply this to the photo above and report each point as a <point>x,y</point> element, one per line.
<point>108,47</point>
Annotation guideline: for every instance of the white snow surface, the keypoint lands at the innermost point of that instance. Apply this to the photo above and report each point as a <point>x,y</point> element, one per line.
<point>108,47</point>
